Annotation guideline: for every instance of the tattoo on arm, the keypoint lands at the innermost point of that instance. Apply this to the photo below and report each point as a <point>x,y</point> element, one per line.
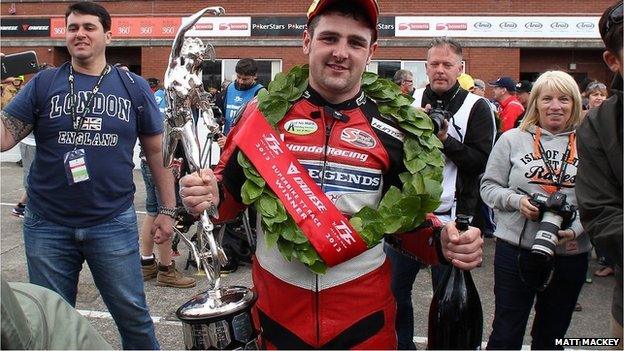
<point>18,128</point>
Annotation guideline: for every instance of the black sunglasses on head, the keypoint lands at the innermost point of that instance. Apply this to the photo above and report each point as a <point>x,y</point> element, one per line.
<point>615,17</point>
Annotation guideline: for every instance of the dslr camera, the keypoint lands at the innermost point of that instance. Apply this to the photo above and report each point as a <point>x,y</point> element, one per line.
<point>555,213</point>
<point>438,115</point>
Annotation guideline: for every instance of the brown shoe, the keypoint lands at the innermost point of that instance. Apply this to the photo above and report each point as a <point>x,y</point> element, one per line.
<point>170,276</point>
<point>149,271</point>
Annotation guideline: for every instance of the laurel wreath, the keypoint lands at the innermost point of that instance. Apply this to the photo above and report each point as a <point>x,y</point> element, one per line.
<point>399,211</point>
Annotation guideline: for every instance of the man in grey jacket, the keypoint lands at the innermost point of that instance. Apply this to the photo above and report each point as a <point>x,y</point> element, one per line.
<point>599,181</point>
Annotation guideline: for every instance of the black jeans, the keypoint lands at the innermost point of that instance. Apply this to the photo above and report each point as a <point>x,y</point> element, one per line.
<point>513,300</point>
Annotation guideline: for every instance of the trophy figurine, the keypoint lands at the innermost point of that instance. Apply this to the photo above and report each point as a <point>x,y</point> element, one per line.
<point>219,318</point>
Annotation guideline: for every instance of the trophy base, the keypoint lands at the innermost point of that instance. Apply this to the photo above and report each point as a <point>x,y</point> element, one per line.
<point>219,319</point>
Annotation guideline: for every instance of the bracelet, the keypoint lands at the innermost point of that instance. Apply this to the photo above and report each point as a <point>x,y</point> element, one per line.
<point>168,211</point>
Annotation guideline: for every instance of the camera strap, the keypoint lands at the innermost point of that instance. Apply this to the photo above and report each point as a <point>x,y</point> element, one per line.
<point>568,157</point>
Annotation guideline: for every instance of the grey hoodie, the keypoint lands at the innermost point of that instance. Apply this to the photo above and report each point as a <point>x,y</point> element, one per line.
<point>514,165</point>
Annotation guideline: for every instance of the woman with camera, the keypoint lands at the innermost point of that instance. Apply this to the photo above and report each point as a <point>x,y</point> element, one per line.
<point>541,250</point>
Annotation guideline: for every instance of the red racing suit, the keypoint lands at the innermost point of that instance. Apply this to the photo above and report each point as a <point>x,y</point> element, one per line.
<point>354,154</point>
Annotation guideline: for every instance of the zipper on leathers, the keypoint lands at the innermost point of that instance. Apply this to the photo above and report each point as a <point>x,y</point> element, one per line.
<point>328,126</point>
<point>328,130</point>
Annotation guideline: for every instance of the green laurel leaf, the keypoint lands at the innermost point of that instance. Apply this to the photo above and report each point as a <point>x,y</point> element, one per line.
<point>400,210</point>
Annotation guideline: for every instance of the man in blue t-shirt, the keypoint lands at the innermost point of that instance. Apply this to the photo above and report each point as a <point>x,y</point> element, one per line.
<point>86,120</point>
<point>239,92</point>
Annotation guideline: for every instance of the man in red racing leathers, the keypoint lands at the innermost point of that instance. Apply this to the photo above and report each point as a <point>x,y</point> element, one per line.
<point>354,154</point>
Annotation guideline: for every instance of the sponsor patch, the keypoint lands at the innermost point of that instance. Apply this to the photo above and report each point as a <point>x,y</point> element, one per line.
<point>342,178</point>
<point>387,129</point>
<point>331,151</point>
<point>358,138</point>
<point>300,127</point>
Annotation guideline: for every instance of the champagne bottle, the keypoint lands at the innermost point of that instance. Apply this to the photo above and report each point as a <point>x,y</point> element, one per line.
<point>455,314</point>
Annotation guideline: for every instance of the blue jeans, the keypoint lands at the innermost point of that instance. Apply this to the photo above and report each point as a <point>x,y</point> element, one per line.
<point>404,271</point>
<point>55,255</point>
<point>151,196</point>
<point>513,300</point>
<point>152,201</point>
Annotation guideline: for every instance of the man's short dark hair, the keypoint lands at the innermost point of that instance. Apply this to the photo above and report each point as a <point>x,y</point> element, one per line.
<point>610,27</point>
<point>345,8</point>
<point>90,8</point>
<point>246,67</point>
<point>446,42</point>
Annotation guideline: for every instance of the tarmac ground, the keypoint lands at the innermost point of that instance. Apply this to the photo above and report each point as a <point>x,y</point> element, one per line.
<point>592,322</point>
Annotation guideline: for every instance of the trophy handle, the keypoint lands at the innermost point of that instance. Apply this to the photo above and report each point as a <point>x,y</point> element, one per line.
<point>213,267</point>
<point>191,246</point>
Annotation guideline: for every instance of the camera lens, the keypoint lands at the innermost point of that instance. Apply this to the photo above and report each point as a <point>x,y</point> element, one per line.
<point>546,238</point>
<point>437,118</point>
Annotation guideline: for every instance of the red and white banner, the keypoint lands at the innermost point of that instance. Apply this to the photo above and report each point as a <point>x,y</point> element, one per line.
<point>497,27</point>
<point>129,27</point>
<point>218,26</point>
<point>327,229</point>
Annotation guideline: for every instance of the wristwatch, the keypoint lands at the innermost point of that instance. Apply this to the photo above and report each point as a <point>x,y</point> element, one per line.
<point>171,212</point>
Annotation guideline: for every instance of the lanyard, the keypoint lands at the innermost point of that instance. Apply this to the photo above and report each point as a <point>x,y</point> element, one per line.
<point>79,121</point>
<point>568,156</point>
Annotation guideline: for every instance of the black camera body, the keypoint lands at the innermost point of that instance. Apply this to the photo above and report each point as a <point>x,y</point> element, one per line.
<point>555,213</point>
<point>438,115</point>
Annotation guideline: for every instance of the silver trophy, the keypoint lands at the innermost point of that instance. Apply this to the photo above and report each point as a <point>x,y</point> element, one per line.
<point>219,318</point>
